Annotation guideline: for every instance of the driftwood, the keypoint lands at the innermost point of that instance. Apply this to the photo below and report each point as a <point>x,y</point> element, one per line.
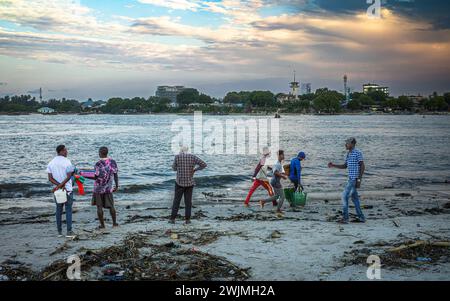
<point>396,223</point>
<point>420,243</point>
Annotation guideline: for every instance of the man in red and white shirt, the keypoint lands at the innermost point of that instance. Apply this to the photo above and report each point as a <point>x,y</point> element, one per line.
<point>260,177</point>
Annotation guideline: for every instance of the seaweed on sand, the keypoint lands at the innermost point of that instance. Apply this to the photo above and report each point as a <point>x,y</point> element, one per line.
<point>401,255</point>
<point>138,259</point>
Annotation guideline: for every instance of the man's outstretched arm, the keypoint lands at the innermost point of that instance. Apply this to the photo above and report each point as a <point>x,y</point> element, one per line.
<point>338,166</point>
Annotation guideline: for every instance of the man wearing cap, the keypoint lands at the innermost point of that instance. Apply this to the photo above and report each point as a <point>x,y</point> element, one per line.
<point>354,162</point>
<point>295,170</point>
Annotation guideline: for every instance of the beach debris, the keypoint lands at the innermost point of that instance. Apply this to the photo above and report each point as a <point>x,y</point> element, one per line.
<point>429,234</point>
<point>275,234</point>
<point>199,214</point>
<point>60,249</point>
<point>396,223</point>
<point>404,247</point>
<point>447,205</point>
<point>12,270</point>
<point>251,216</point>
<point>213,195</point>
<point>139,218</point>
<point>403,195</point>
<point>358,242</point>
<point>403,255</point>
<point>128,261</point>
<point>4,278</point>
<point>423,259</point>
<point>434,210</point>
<point>174,236</point>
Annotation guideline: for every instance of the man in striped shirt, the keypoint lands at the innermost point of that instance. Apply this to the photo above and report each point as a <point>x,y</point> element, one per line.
<point>354,162</point>
<point>185,165</point>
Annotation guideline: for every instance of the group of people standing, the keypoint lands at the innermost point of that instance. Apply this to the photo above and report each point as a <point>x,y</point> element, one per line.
<point>353,162</point>
<point>60,172</point>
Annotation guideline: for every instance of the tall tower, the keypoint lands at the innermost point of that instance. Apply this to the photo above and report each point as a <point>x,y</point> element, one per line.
<point>294,88</point>
<point>346,89</point>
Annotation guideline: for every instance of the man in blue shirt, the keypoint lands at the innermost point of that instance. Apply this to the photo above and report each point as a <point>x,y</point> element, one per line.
<point>295,170</point>
<point>354,162</point>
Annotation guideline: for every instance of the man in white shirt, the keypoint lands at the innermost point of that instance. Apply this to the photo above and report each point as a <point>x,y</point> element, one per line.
<point>60,171</point>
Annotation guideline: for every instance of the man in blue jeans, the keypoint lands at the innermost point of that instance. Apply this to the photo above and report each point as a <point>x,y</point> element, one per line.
<point>354,162</point>
<point>60,171</point>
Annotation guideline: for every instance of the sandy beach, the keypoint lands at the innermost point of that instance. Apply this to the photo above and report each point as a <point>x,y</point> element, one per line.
<point>229,242</point>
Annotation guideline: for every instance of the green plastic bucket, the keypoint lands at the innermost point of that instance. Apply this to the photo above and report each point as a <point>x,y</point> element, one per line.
<point>295,199</point>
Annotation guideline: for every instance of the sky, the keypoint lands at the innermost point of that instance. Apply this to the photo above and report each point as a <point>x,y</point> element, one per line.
<point>125,48</point>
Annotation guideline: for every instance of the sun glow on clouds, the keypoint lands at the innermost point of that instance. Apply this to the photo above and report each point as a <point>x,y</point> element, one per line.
<point>245,43</point>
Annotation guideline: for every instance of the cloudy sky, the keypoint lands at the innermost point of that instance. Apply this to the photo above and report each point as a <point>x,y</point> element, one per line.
<point>104,48</point>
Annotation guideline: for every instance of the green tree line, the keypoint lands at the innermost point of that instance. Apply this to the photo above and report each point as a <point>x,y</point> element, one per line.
<point>322,101</point>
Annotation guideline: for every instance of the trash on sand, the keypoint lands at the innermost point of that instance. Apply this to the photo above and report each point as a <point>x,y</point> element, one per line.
<point>174,236</point>
<point>12,270</point>
<point>4,278</point>
<point>125,261</point>
<point>403,195</point>
<point>434,210</point>
<point>404,255</point>
<point>396,223</point>
<point>275,234</point>
<point>423,259</point>
<point>251,216</point>
<point>60,249</point>
<point>139,218</point>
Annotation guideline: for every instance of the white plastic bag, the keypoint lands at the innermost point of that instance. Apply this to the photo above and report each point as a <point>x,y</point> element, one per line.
<point>60,196</point>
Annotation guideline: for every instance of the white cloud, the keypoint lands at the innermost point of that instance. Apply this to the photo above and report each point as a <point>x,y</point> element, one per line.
<point>175,4</point>
<point>247,45</point>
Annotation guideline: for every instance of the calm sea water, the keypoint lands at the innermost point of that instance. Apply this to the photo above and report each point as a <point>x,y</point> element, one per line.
<point>399,151</point>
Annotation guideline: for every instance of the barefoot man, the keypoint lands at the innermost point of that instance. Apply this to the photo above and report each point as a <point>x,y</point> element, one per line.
<point>105,171</point>
<point>354,162</point>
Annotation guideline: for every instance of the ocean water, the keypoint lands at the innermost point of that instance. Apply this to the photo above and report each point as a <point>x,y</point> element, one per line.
<point>400,152</point>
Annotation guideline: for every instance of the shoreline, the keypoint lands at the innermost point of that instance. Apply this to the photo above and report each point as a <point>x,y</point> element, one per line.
<point>238,114</point>
<point>248,244</point>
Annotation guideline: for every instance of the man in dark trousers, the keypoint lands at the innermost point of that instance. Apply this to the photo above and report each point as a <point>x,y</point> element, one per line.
<point>185,165</point>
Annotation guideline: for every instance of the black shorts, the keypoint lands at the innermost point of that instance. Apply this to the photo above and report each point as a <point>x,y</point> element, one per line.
<point>104,200</point>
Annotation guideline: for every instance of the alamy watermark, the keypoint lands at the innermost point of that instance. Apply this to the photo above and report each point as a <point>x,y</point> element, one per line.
<point>374,10</point>
<point>374,270</point>
<point>73,272</point>
<point>214,136</point>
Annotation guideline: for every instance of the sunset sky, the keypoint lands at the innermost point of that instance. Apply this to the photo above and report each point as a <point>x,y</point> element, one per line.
<point>104,48</point>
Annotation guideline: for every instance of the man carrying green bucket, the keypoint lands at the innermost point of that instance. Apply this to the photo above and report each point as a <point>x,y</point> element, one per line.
<point>295,170</point>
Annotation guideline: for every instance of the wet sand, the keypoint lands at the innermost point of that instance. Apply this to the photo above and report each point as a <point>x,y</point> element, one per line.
<point>253,243</point>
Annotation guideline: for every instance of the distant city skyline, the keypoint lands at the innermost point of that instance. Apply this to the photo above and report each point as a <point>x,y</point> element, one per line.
<point>125,48</point>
